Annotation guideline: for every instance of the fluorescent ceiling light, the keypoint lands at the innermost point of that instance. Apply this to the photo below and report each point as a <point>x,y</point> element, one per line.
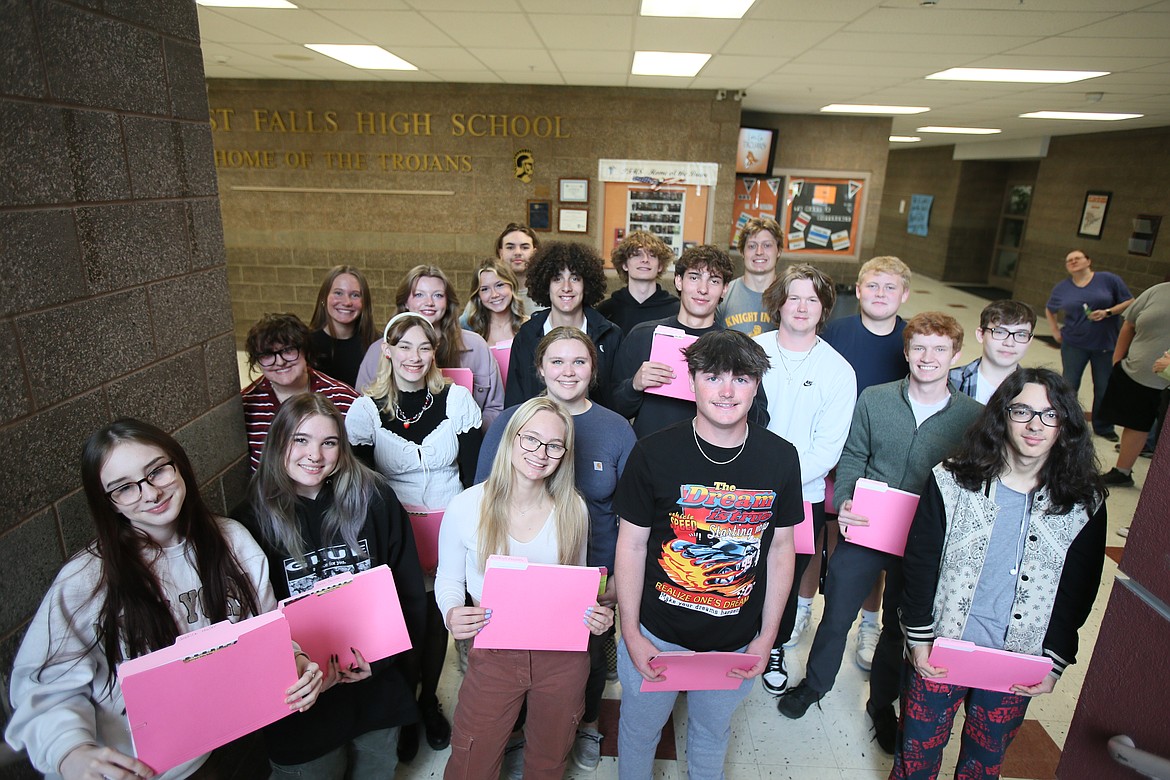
<point>701,9</point>
<point>1017,75</point>
<point>1090,116</point>
<point>668,63</point>
<point>960,130</point>
<point>361,56</point>
<point>860,108</point>
<point>904,139</point>
<point>245,3</point>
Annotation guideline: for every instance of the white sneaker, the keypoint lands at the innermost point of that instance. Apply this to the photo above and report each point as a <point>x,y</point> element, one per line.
<point>867,641</point>
<point>587,748</point>
<point>803,615</point>
<point>776,675</point>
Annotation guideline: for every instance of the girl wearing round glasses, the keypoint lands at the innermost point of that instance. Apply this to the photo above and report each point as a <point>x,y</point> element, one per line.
<point>426,290</point>
<point>495,312</point>
<point>279,346</point>
<point>162,565</point>
<point>424,435</point>
<point>342,324</point>
<point>527,507</point>
<point>318,512</point>
<point>1006,551</point>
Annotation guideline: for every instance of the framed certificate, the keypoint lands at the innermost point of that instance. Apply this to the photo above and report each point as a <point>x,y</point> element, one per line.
<point>574,191</point>
<point>573,221</point>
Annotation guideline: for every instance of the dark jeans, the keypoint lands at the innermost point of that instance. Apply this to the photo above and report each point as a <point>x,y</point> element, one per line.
<point>424,664</point>
<point>595,685</point>
<point>1074,360</point>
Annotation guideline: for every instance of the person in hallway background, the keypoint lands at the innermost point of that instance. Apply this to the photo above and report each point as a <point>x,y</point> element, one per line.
<point>1090,302</point>
<point>494,310</point>
<point>342,324</point>
<point>743,307</point>
<point>516,245</point>
<point>639,260</point>
<point>1005,333</point>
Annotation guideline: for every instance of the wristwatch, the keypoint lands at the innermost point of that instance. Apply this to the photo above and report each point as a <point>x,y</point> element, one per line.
<point>1109,312</point>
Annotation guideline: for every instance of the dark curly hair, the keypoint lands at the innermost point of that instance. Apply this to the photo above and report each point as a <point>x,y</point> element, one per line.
<point>276,330</point>
<point>715,260</point>
<point>557,256</point>
<point>1070,474</point>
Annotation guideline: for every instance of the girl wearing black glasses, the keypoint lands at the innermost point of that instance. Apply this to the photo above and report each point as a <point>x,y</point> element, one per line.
<point>1006,552</point>
<point>162,565</point>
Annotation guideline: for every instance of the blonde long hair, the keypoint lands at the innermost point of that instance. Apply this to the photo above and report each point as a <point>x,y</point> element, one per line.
<point>384,384</point>
<point>480,319</point>
<point>572,517</point>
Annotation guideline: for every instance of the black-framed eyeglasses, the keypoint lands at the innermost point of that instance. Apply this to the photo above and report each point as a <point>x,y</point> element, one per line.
<point>1019,413</point>
<point>288,355</point>
<point>1001,334</point>
<point>554,449</point>
<point>161,476</point>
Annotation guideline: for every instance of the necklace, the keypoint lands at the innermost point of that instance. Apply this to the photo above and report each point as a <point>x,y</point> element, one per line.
<point>1020,538</point>
<point>531,506</point>
<point>788,372</point>
<point>708,457</point>
<point>402,418</point>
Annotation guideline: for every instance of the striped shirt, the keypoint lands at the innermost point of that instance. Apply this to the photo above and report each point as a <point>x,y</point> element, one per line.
<point>261,405</point>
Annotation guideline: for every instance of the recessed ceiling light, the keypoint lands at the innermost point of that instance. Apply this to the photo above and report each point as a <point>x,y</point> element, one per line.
<point>960,130</point>
<point>1017,75</point>
<point>702,9</point>
<point>668,63</point>
<point>361,56</point>
<point>904,139</point>
<point>860,108</point>
<point>245,3</point>
<point>1091,116</point>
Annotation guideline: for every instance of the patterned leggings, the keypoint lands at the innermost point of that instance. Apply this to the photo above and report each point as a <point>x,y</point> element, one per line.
<point>928,714</point>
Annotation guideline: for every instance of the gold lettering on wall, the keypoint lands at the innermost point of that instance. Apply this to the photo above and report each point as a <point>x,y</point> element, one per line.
<point>507,126</point>
<point>293,121</point>
<point>395,123</point>
<point>221,119</point>
<point>245,158</point>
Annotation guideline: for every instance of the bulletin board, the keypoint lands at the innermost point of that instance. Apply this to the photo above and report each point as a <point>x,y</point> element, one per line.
<point>673,200</point>
<point>755,196</point>
<point>823,214</point>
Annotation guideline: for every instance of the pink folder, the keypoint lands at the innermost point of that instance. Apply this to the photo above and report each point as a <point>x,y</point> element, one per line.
<point>684,670</point>
<point>805,541</point>
<point>359,611</point>
<point>972,666</point>
<point>502,352</point>
<point>890,512</point>
<point>425,525</point>
<point>667,348</point>
<point>208,688</point>
<point>536,606</point>
<point>460,376</point>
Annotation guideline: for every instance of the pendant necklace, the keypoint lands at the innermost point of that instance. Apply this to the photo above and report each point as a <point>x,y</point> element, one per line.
<point>708,457</point>
<point>790,371</point>
<point>407,422</point>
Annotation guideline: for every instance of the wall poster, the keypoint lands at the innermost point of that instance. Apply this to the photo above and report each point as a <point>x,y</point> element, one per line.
<point>823,214</point>
<point>754,197</point>
<point>918,220</point>
<point>658,211</point>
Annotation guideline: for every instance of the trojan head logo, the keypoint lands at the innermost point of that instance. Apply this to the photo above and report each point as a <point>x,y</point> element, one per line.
<point>525,163</point>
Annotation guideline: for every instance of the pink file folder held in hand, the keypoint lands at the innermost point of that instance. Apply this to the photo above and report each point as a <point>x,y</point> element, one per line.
<point>460,376</point>
<point>536,606</point>
<point>972,666</point>
<point>502,352</point>
<point>425,525</point>
<point>667,348</point>
<point>208,688</point>
<point>803,531</point>
<point>685,670</point>
<point>890,512</point>
<point>360,611</point>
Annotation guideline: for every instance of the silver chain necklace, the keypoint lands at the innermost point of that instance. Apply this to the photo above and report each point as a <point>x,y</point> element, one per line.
<point>788,372</point>
<point>738,452</point>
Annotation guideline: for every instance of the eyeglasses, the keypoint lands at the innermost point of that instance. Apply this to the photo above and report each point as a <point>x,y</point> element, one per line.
<point>553,449</point>
<point>1001,334</point>
<point>1025,414</point>
<point>287,355</point>
<point>160,476</point>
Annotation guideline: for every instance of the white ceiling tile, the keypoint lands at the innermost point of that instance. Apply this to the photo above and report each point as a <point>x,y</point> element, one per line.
<point>596,62</point>
<point>595,79</point>
<point>1061,46</point>
<point>698,35</point>
<point>1136,25</point>
<point>293,25</point>
<point>783,38</point>
<point>528,77</point>
<point>439,57</point>
<point>943,21</point>
<point>479,76</point>
<point>804,11</point>
<point>589,31</point>
<point>923,44</point>
<point>352,5</point>
<point>390,28</point>
<point>501,6</point>
<point>744,69</point>
<point>486,30</point>
<point>519,60</point>
<point>1070,61</point>
<point>607,7</point>
<point>217,28</point>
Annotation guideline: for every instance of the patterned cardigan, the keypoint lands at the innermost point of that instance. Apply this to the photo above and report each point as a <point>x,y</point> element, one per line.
<point>1057,581</point>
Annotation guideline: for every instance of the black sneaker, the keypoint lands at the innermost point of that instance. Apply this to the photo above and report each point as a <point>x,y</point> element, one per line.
<point>1115,478</point>
<point>408,743</point>
<point>775,677</point>
<point>437,729</point>
<point>885,727</point>
<point>797,701</point>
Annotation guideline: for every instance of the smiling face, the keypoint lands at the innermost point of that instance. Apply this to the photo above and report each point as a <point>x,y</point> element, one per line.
<point>517,249</point>
<point>156,512</point>
<point>699,292</point>
<point>429,298</point>
<point>1032,439</point>
<point>567,292</point>
<point>879,295</point>
<point>546,427</point>
<point>494,293</point>
<point>286,376</point>
<point>312,454</point>
<point>930,357</point>
<point>410,359</point>
<point>344,304</point>
<point>643,265</point>
<point>723,400</point>
<point>1008,352</point>
<point>801,312</point>
<point>566,370</point>
<point>760,252</point>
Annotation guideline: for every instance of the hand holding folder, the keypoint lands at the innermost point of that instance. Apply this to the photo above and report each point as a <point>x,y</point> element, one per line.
<point>536,606</point>
<point>972,666</point>
<point>890,512</point>
<point>359,611</point>
<point>667,347</point>
<point>685,670</point>
<point>208,688</point>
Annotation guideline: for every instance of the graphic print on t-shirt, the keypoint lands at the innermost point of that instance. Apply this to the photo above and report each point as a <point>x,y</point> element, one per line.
<point>324,563</point>
<point>711,560</point>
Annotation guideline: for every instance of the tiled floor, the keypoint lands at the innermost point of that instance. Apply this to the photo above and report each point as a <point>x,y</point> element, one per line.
<point>833,742</point>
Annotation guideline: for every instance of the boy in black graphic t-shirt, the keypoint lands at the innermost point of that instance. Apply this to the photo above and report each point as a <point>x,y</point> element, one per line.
<point>705,550</point>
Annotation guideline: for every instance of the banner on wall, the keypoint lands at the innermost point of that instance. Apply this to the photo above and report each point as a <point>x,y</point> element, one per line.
<point>659,173</point>
<point>754,197</point>
<point>918,220</point>
<point>823,215</point>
